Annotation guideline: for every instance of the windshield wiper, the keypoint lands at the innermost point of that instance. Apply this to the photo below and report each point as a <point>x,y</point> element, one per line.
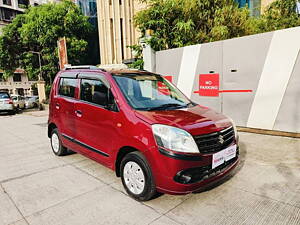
<point>167,106</point>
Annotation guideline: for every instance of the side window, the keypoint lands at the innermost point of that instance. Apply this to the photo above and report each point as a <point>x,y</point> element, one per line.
<point>94,91</point>
<point>67,87</point>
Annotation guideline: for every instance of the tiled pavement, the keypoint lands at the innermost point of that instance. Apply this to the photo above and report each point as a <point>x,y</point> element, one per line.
<point>39,188</point>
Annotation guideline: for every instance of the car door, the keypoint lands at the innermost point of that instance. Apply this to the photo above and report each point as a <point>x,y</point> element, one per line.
<point>95,120</point>
<point>64,107</point>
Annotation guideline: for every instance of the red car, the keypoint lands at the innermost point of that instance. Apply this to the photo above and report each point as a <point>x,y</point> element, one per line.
<point>141,126</point>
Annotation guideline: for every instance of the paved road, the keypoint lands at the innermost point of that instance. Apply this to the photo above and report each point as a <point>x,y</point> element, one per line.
<point>39,188</point>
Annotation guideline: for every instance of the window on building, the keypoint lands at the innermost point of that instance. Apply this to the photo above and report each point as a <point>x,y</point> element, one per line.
<point>67,87</point>
<point>253,5</point>
<point>81,6</point>
<point>7,2</point>
<point>17,77</point>
<point>7,14</point>
<point>122,38</point>
<point>112,36</point>
<point>120,2</point>
<point>243,3</point>
<point>1,77</point>
<point>23,3</point>
<point>93,8</point>
<point>110,2</point>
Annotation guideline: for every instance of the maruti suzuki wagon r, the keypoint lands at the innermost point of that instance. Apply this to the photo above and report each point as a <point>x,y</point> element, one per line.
<point>141,126</point>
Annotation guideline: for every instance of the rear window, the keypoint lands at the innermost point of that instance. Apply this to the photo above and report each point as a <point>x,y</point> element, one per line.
<point>4,95</point>
<point>67,87</point>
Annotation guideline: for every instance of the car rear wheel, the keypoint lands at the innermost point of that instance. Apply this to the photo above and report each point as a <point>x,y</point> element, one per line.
<point>12,112</point>
<point>56,144</point>
<point>137,177</point>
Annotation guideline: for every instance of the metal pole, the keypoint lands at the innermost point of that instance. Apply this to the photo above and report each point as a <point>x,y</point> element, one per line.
<point>40,64</point>
<point>40,75</point>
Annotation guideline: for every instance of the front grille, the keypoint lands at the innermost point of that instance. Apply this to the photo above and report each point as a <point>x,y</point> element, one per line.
<point>214,142</point>
<point>198,174</point>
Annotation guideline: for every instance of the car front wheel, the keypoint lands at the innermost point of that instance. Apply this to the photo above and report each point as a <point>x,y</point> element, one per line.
<point>137,177</point>
<point>56,144</point>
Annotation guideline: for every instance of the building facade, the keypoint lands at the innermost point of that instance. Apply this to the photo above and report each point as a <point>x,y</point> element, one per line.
<point>18,84</point>
<point>9,9</point>
<point>116,29</point>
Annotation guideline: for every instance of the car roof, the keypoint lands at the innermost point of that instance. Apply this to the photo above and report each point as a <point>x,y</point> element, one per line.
<point>72,71</point>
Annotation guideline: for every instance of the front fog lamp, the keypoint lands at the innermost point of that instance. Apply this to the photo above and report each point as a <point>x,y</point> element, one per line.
<point>174,139</point>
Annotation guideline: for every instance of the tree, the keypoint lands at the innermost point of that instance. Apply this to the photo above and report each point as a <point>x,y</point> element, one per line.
<point>280,14</point>
<point>177,23</point>
<point>37,30</point>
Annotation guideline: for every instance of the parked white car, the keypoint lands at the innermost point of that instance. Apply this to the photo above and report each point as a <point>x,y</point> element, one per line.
<point>6,103</point>
<point>31,101</point>
<point>19,101</point>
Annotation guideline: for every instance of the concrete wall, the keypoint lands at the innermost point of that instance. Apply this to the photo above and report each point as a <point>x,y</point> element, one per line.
<point>268,64</point>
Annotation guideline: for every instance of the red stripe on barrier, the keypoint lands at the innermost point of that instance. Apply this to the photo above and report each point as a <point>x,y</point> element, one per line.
<point>228,91</point>
<point>235,91</point>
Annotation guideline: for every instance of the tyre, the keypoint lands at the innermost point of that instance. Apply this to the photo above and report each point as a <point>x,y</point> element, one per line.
<point>56,145</point>
<point>137,177</point>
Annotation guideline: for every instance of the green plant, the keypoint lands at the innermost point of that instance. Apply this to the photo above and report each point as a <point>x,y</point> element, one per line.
<point>137,51</point>
<point>37,30</point>
<point>178,23</point>
<point>280,14</point>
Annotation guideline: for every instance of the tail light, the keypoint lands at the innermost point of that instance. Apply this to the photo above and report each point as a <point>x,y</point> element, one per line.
<point>9,101</point>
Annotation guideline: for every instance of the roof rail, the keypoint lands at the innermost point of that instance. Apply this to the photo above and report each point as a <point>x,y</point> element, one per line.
<point>88,67</point>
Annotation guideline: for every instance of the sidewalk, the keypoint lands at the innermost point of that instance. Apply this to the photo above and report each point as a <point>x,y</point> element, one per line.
<point>39,188</point>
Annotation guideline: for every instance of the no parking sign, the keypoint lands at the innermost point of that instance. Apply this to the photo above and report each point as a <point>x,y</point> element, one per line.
<point>209,85</point>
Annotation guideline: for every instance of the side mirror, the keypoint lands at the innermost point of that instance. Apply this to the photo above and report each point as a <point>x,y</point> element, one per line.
<point>111,103</point>
<point>112,107</point>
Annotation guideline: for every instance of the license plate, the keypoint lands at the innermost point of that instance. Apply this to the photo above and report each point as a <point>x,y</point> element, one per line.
<point>225,155</point>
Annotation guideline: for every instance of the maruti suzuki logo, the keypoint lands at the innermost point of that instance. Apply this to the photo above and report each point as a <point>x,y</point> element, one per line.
<point>221,139</point>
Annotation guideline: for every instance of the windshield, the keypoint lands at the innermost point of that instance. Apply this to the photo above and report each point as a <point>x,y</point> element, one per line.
<point>151,92</point>
<point>4,95</point>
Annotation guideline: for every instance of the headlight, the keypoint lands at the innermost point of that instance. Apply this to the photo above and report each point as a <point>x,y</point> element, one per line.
<point>234,128</point>
<point>174,139</point>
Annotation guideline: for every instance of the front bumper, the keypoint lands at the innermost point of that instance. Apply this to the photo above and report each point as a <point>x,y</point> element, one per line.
<point>186,176</point>
<point>6,107</point>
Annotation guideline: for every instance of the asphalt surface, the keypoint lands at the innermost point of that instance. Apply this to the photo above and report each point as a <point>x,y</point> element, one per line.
<point>39,188</point>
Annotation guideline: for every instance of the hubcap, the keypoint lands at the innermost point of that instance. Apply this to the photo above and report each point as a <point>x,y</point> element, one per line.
<point>55,142</point>
<point>134,177</point>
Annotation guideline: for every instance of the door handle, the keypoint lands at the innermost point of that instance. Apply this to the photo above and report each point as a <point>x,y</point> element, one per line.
<point>57,106</point>
<point>78,113</point>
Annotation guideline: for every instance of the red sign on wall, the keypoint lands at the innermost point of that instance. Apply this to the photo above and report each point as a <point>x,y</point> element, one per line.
<point>209,85</point>
<point>169,78</point>
<point>162,88</point>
